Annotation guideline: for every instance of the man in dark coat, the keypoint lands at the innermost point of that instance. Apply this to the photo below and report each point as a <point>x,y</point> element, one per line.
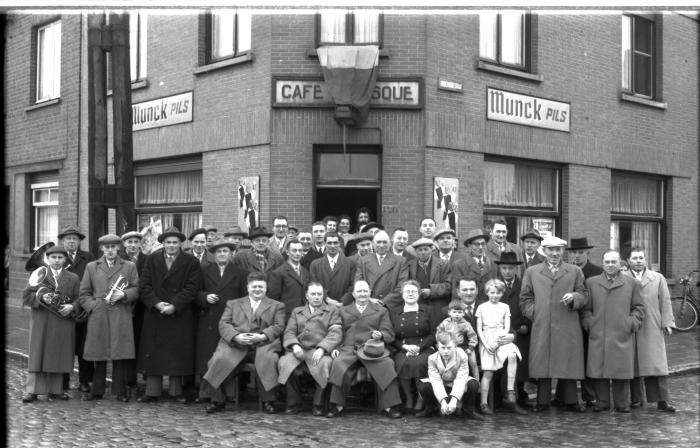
<point>433,275</point>
<point>335,272</point>
<point>287,283</point>
<point>170,282</point>
<point>132,252</point>
<point>383,271</point>
<point>76,262</point>
<point>476,265</point>
<point>222,281</point>
<point>259,258</point>
<point>198,239</point>
<point>365,325</point>
<point>531,241</point>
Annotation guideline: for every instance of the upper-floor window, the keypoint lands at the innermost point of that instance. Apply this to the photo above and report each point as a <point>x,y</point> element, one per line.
<point>138,26</point>
<point>639,58</point>
<point>48,62</point>
<point>228,34</point>
<point>342,27</point>
<point>504,38</point>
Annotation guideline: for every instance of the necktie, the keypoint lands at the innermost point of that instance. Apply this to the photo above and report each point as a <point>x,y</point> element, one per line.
<point>221,270</point>
<point>554,269</point>
<point>381,259</point>
<point>509,285</point>
<point>296,269</point>
<point>469,310</point>
<point>168,261</point>
<point>254,304</point>
<point>480,263</point>
<point>529,260</point>
<point>445,257</point>
<point>332,262</point>
<point>361,309</point>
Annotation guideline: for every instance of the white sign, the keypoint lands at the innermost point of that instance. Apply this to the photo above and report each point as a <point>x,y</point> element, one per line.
<point>162,112</point>
<point>527,110</point>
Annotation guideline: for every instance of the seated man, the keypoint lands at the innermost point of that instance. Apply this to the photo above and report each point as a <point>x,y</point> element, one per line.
<point>367,326</point>
<point>250,330</point>
<point>313,332</point>
<point>449,386</point>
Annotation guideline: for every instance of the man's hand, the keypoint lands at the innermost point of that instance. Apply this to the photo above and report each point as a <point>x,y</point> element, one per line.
<point>376,301</point>
<point>452,405</point>
<point>243,338</point>
<point>523,330</point>
<point>567,299</point>
<point>444,407</point>
<point>298,352</point>
<point>316,358</point>
<point>333,302</point>
<point>668,330</point>
<point>117,295</point>
<point>168,309</point>
<point>376,335</point>
<point>66,309</point>
<point>47,297</point>
<point>425,292</point>
<point>335,353</point>
<point>212,298</point>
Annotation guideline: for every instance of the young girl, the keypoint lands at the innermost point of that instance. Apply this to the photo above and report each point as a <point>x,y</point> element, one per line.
<point>492,325</point>
<point>465,334</point>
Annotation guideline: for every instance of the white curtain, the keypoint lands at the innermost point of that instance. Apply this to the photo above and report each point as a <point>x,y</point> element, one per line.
<point>46,224</point>
<point>49,62</point>
<point>170,188</point>
<point>488,27</point>
<point>512,25</point>
<point>366,27</point>
<point>635,195</point>
<point>333,26</point>
<point>223,25</point>
<point>512,185</point>
<point>626,52</point>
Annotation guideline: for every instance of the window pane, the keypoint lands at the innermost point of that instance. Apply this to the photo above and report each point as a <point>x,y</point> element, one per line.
<point>351,168</point>
<point>642,74</point>
<point>366,27</point>
<point>244,31</point>
<point>635,195</point>
<point>624,235</point>
<point>512,37</point>
<point>137,45</point>
<point>626,52</point>
<point>169,189</point>
<point>186,222</point>
<point>333,27</point>
<point>487,34</point>
<point>46,228</point>
<point>48,62</point>
<point>222,29</point>
<point>510,185</point>
<point>41,196</point>
<point>643,35</point>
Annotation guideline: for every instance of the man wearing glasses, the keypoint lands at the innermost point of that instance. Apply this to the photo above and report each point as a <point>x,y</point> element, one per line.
<point>475,266</point>
<point>279,237</point>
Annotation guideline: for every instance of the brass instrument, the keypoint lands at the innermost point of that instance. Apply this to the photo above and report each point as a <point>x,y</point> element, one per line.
<point>38,279</point>
<point>115,287</point>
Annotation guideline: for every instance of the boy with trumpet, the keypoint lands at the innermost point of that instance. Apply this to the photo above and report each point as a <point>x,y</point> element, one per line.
<point>108,289</point>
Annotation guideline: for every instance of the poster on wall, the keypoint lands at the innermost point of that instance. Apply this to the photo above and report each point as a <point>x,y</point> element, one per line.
<point>248,202</point>
<point>545,226</point>
<point>445,202</point>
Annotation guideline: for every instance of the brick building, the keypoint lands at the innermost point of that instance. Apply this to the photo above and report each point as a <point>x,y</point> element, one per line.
<point>577,124</point>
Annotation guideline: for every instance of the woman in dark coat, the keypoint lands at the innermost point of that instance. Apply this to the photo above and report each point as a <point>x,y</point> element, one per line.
<point>414,326</point>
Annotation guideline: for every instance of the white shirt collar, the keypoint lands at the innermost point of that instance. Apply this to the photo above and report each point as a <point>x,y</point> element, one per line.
<point>410,308</point>
<point>334,259</point>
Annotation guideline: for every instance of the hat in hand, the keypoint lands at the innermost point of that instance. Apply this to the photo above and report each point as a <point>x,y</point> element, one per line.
<point>372,350</point>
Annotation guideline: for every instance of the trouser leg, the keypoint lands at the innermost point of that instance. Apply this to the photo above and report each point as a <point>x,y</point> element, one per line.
<point>99,383</point>
<point>621,393</point>
<point>265,395</point>
<point>294,386</point>
<point>657,388</point>
<point>470,396</point>
<point>636,389</point>
<point>544,391</point>
<point>175,386</point>
<point>54,383</point>
<point>154,386</point>
<point>587,389</point>
<point>426,391</point>
<point>30,385</point>
<point>338,393</point>
<point>390,396</point>
<point>86,369</point>
<point>119,376</point>
<point>569,392</point>
<point>602,392</point>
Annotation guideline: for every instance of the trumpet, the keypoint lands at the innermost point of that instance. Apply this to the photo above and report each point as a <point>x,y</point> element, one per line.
<point>38,279</point>
<point>115,287</point>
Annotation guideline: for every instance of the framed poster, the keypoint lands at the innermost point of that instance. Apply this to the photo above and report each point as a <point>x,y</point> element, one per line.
<point>248,202</point>
<point>445,202</point>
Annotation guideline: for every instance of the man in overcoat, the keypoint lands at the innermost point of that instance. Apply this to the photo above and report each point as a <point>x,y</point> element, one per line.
<point>476,265</point>
<point>51,338</point>
<point>314,330</point>
<point>250,330</point>
<point>499,244</point>
<point>131,242</point>
<point>335,272</point>
<point>259,258</point>
<point>222,281</point>
<point>445,239</point>
<point>614,312</point>
<point>287,283</point>
<point>531,242</point>
<point>383,271</point>
<point>76,262</point>
<point>108,291</point>
<point>365,323</point>
<point>168,287</point>
<point>551,296</point>
<point>651,366</point>
<point>433,275</point>
<point>198,240</point>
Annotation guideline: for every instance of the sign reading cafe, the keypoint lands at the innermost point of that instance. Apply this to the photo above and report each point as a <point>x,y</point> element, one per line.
<point>527,110</point>
<point>162,112</point>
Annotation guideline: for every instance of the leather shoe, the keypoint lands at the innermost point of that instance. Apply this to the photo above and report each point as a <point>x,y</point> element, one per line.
<point>123,398</point>
<point>636,404</point>
<point>517,409</point>
<point>597,408</point>
<point>28,398</point>
<point>63,396</point>
<point>392,413</point>
<point>85,388</point>
<point>625,410</point>
<point>473,415</point>
<point>485,409</point>
<point>147,399</point>
<point>664,406</point>
<point>335,412</point>
<point>215,407</point>
<point>539,408</point>
<point>590,403</point>
<point>179,399</point>
<point>317,411</point>
<point>425,412</point>
<point>200,400</point>
<point>292,410</point>
<point>268,408</point>
<point>576,407</point>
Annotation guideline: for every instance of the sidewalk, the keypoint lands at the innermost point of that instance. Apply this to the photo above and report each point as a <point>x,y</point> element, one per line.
<point>682,349</point>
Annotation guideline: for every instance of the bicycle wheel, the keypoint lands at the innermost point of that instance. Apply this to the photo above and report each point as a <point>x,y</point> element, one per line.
<point>684,313</point>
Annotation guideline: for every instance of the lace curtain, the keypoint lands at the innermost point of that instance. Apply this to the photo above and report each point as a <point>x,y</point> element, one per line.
<point>169,189</point>
<point>635,195</point>
<point>509,185</point>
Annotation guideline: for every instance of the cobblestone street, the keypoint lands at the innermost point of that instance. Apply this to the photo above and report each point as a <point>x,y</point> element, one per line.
<point>111,423</point>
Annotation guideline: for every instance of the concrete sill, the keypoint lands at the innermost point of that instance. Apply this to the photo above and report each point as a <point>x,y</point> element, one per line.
<point>495,68</point>
<point>248,57</point>
<point>645,101</point>
<point>43,104</point>
<point>135,85</point>
<point>312,53</point>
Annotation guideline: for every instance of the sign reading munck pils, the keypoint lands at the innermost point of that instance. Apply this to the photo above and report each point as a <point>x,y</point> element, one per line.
<point>162,112</point>
<point>527,110</point>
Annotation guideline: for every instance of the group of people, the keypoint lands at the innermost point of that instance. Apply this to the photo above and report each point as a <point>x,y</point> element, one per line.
<point>438,329</point>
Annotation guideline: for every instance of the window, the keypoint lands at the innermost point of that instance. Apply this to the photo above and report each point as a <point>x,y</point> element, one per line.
<point>138,26</point>
<point>638,55</point>
<point>169,192</point>
<point>228,34</point>
<point>637,215</point>
<point>504,38</point>
<point>44,208</point>
<point>525,195</point>
<point>341,27</point>
<point>48,62</point>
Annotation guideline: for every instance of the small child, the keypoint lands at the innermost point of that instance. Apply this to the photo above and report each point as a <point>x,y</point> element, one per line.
<point>458,325</point>
<point>492,324</point>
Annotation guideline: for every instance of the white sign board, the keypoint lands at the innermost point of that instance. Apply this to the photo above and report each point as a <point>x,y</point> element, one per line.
<point>174,109</point>
<point>527,110</point>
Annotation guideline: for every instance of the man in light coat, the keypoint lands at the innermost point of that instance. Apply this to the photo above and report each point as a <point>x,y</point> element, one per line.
<point>551,296</point>
<point>651,365</point>
<point>108,291</point>
<point>613,313</point>
<point>383,271</point>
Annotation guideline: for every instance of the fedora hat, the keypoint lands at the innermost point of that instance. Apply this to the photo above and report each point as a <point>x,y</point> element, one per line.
<point>372,350</point>
<point>71,230</point>
<point>579,244</point>
<point>211,229</point>
<point>442,232</point>
<point>221,243</point>
<point>258,232</point>
<point>196,232</point>
<point>110,238</point>
<point>236,231</point>
<point>132,234</point>
<point>422,242</point>
<point>553,241</point>
<point>508,258</point>
<point>475,235</point>
<point>172,231</point>
<point>532,233</point>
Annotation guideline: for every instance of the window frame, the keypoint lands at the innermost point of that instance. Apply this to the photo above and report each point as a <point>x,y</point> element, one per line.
<point>56,84</point>
<point>53,188</point>
<point>628,74</point>
<point>349,31</point>
<point>141,37</point>
<point>208,38</point>
<point>526,50</point>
